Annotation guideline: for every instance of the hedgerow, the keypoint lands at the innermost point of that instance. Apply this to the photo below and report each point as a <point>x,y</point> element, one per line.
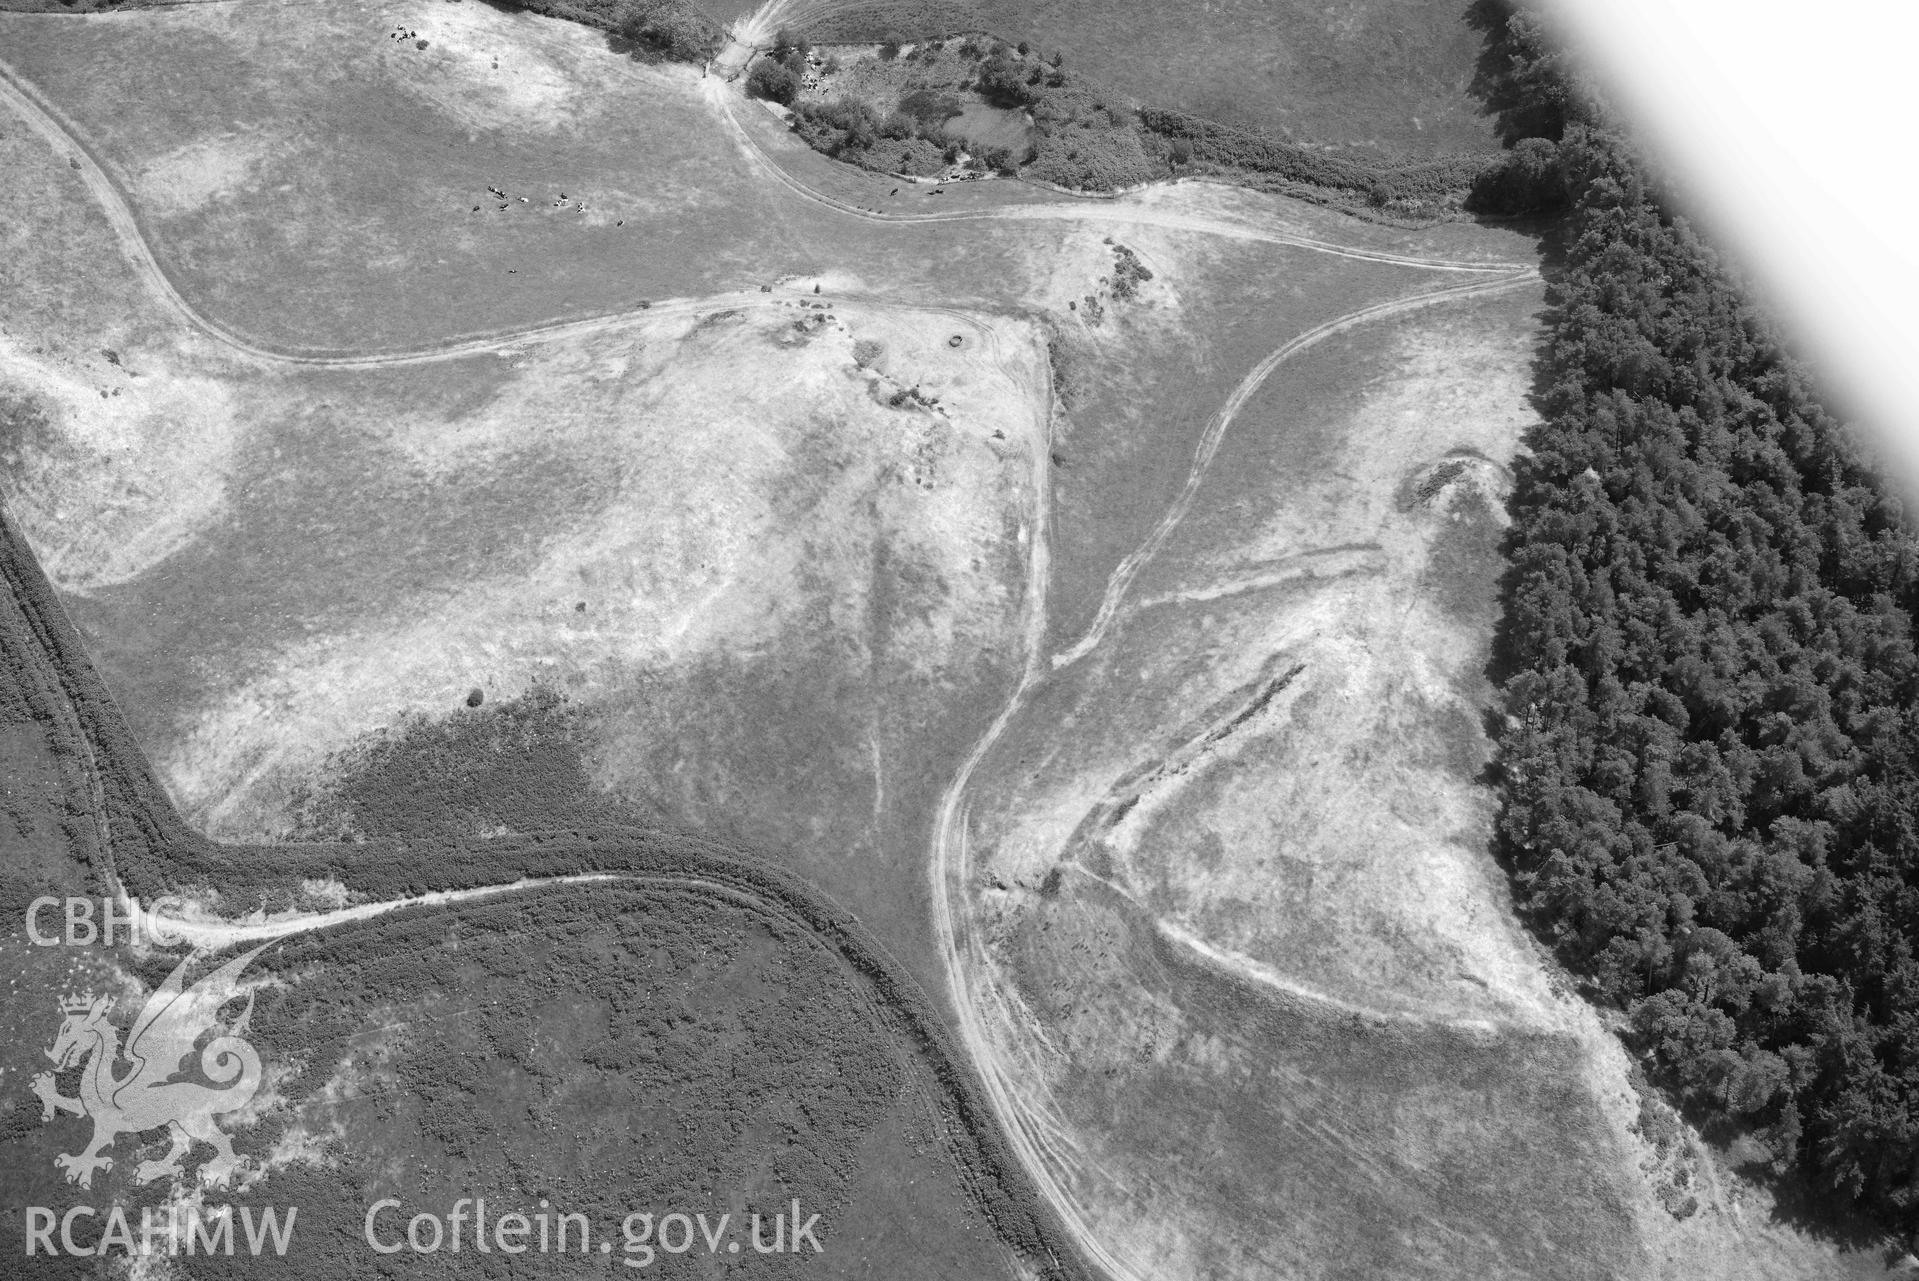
<point>1360,173</point>
<point>670,28</point>
<point>895,21</point>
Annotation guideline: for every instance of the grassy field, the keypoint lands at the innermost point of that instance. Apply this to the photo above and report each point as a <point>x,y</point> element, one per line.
<point>1125,434</point>
<point>363,200</point>
<point>767,598</point>
<point>1421,1149</point>
<point>1299,776</point>
<point>672,477</point>
<point>982,126</point>
<point>240,543</point>
<point>1387,74</point>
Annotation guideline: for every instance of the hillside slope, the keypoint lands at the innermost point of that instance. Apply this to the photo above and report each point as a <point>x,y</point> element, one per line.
<point>1388,74</point>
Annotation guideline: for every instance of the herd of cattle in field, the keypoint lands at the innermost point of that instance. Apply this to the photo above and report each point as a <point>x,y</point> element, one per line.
<point>562,201</point>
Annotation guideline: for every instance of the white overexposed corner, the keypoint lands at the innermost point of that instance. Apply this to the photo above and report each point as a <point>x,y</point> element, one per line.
<point>1793,127</point>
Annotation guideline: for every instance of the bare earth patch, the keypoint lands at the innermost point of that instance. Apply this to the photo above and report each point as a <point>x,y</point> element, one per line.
<point>744,467</point>
<point>204,170</point>
<point>1231,862</point>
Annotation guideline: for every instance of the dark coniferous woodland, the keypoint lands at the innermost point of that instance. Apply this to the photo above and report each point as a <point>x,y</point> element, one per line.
<point>1711,689</point>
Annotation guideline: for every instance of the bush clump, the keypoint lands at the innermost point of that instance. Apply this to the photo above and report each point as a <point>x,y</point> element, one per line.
<point>1008,82</point>
<point>1529,179</point>
<point>671,29</point>
<point>850,130</point>
<point>1129,273</point>
<point>1091,160</point>
<point>773,81</point>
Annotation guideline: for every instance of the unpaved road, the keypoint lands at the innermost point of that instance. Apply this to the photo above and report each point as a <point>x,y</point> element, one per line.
<point>1098,210</point>
<point>1042,1145</point>
<point>1215,431</point>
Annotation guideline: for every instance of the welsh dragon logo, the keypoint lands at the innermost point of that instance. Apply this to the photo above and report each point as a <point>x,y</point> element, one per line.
<point>153,1092</point>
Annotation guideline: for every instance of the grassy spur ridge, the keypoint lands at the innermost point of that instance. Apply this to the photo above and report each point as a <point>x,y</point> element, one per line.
<point>139,843</point>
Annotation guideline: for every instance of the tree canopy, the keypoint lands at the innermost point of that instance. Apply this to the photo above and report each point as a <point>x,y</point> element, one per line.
<point>1711,800</point>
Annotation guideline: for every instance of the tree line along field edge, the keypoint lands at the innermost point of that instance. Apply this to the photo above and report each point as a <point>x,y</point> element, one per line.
<point>1709,759</point>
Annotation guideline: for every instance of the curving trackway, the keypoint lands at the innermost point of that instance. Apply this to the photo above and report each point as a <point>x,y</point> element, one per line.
<point>1038,1137</point>
<point>1040,1142</point>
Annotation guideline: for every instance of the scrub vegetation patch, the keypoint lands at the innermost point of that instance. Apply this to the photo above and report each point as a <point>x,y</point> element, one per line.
<point>150,852</point>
